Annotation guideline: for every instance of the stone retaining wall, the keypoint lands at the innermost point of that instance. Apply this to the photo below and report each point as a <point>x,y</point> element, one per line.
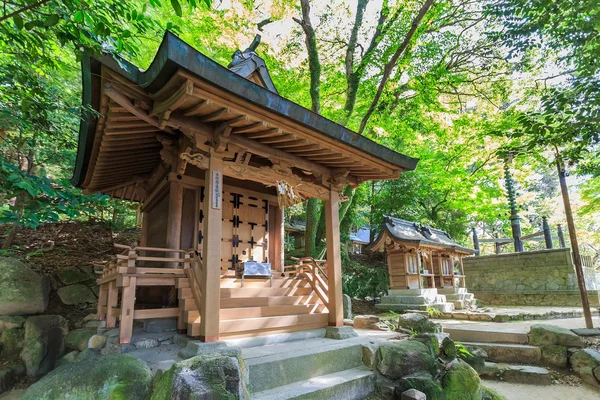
<point>535,278</point>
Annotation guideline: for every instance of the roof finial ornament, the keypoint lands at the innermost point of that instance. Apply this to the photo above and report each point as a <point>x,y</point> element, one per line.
<point>239,56</point>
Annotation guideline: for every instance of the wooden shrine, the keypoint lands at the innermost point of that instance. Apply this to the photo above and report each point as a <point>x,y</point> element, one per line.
<point>420,257</point>
<point>212,154</point>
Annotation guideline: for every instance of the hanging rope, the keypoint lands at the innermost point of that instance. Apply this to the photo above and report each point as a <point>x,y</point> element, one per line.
<point>286,196</point>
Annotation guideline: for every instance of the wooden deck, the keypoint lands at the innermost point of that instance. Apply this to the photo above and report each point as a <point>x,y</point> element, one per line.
<point>295,302</point>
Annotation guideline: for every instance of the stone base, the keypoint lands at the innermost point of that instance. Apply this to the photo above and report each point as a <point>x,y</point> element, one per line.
<point>196,348</point>
<point>340,332</point>
<point>563,298</point>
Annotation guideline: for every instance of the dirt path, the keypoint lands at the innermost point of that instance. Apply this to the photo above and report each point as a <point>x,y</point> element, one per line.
<point>514,391</point>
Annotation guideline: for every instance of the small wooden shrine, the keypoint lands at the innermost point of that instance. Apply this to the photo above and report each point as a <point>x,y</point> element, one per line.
<point>422,259</point>
<point>213,155</point>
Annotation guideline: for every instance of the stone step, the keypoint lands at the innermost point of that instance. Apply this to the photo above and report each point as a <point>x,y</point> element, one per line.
<point>352,384</point>
<point>526,374</point>
<point>481,336</point>
<point>510,353</point>
<point>459,296</point>
<point>441,307</point>
<point>286,363</point>
<point>452,290</point>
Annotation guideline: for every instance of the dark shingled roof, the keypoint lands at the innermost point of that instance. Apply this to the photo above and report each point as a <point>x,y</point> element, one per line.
<point>406,231</point>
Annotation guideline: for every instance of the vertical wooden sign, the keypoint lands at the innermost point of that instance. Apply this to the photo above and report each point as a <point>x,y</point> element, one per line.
<point>217,189</point>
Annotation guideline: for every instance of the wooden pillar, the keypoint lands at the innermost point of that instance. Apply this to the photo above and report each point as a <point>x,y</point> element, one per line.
<point>144,235</point>
<point>210,281</point>
<point>127,310</point>
<point>334,259</point>
<point>174,219</point>
<point>279,238</point>
<point>112,299</point>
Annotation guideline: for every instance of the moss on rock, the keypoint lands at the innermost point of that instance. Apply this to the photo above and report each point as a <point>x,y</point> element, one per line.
<point>546,335</point>
<point>461,382</point>
<point>489,394</point>
<point>555,356</point>
<point>112,377</point>
<point>421,381</point>
<point>79,338</point>
<point>207,376</point>
<point>401,358</point>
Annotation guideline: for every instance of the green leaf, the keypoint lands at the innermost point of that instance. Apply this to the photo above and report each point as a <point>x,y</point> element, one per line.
<point>176,7</point>
<point>78,17</point>
<point>51,20</point>
<point>18,22</point>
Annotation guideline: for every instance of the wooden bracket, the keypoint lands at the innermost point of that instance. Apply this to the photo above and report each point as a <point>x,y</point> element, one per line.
<point>221,137</point>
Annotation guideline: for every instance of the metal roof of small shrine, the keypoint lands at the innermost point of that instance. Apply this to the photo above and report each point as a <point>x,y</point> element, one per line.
<point>402,231</point>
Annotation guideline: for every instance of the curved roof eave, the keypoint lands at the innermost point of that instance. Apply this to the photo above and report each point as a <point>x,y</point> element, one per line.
<point>173,54</point>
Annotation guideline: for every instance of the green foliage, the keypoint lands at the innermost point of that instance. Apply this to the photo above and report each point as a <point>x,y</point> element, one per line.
<point>361,281</point>
<point>462,351</point>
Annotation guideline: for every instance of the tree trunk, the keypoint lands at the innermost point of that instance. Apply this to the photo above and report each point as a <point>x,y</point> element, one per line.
<point>310,236</point>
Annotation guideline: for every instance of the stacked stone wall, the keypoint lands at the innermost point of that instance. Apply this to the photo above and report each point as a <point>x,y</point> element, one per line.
<point>535,278</point>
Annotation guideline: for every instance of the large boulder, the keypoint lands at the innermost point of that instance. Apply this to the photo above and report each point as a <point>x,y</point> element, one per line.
<point>418,323</point>
<point>555,356</point>
<point>461,382</point>
<point>203,377</point>
<point>586,364</point>
<point>546,335</point>
<point>421,381</point>
<point>76,294</point>
<point>44,343</point>
<point>400,358</point>
<point>78,339</point>
<point>22,291</point>
<point>112,377</point>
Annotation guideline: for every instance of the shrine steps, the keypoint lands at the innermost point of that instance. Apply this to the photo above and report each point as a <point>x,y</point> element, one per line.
<point>415,299</point>
<point>258,308</point>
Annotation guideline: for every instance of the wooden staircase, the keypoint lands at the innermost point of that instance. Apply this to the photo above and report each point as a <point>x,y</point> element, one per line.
<point>256,309</point>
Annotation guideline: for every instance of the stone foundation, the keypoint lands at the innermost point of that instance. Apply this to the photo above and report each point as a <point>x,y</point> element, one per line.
<point>536,278</point>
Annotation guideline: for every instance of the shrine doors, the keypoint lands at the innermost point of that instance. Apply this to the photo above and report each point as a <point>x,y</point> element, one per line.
<point>245,229</point>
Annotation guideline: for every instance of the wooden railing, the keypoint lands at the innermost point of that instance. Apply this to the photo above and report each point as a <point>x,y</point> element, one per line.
<point>314,272</point>
<point>194,273</point>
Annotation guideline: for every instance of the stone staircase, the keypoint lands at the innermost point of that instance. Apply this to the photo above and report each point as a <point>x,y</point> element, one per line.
<point>415,299</point>
<point>309,369</point>
<point>460,297</point>
<point>505,349</point>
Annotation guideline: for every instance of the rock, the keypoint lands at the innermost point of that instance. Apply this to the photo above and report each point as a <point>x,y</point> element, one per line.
<point>431,340</point>
<point>95,324</point>
<point>160,325</point>
<point>87,353</point>
<point>203,377</point>
<point>418,323</point>
<point>545,335</point>
<point>476,358</point>
<point>146,343</point>
<point>11,322</point>
<point>44,343</point>
<point>461,382</point>
<point>104,378</point>
<point>422,382</point>
<point>449,348</point>
<point>76,294</point>
<point>67,358</point>
<point>181,340</point>
<point>22,291</point>
<point>78,339</point>
<point>413,394</point>
<point>555,356</point>
<point>347,303</point>
<point>369,322</point>
<point>111,333</point>
<point>9,375</point>
<point>490,371</point>
<point>196,348</point>
<point>384,387</point>
<point>348,322</point>
<point>97,342</point>
<point>72,275</point>
<point>369,355</point>
<point>12,342</point>
<point>584,363</point>
<point>489,394</point>
<point>526,374</point>
<point>400,358</point>
<point>340,332</point>
<point>113,346</point>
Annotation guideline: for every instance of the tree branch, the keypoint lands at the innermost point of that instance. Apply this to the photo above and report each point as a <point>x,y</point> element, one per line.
<point>19,11</point>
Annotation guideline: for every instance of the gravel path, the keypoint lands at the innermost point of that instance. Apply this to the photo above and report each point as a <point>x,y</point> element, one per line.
<point>514,391</point>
